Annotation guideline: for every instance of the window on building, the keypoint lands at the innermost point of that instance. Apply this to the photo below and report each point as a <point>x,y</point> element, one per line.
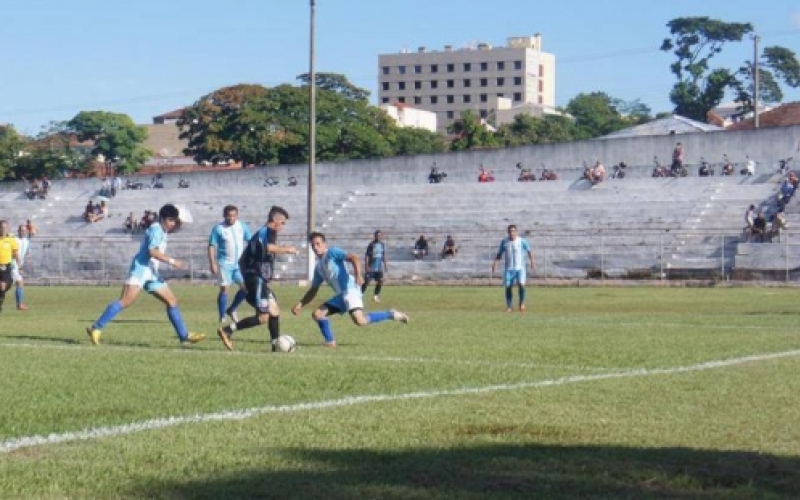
<point>434,84</point>
<point>517,96</point>
<point>417,85</point>
<point>467,83</point>
<point>517,64</point>
<point>517,80</point>
<point>541,86</point>
<point>434,68</point>
<point>483,113</point>
<point>418,68</point>
<point>541,100</point>
<point>484,66</point>
<point>385,85</point>
<point>484,98</point>
<point>434,99</point>
<point>385,100</point>
<point>451,67</point>
<point>501,82</point>
<point>467,98</point>
<point>541,71</point>
<point>401,85</point>
<point>451,84</point>
<point>467,67</point>
<point>500,94</point>
<point>417,100</point>
<point>401,99</point>
<point>484,82</point>
<point>501,66</point>
<point>450,115</point>
<point>386,70</point>
<point>401,70</point>
<point>451,99</point>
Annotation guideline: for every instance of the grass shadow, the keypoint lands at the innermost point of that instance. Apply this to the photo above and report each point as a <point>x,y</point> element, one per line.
<point>507,472</point>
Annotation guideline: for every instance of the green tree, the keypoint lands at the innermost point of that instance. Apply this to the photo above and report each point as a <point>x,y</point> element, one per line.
<point>415,141</point>
<point>700,88</point>
<point>12,146</point>
<point>116,137</point>
<point>338,83</point>
<point>527,129</point>
<point>776,65</point>
<point>598,114</point>
<point>470,133</point>
<point>214,127</point>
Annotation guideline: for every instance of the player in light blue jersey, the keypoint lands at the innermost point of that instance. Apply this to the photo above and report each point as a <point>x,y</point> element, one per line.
<point>24,241</point>
<point>331,268</point>
<point>516,255</point>
<point>143,274</point>
<point>377,265</point>
<point>225,245</point>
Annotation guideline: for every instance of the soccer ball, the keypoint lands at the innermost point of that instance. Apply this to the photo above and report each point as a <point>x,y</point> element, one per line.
<point>285,343</point>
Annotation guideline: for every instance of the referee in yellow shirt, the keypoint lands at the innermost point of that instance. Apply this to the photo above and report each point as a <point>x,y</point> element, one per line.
<point>9,253</point>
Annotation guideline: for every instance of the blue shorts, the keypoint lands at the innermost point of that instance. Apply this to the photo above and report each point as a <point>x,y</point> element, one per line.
<point>145,278</point>
<point>345,302</point>
<point>514,276</point>
<point>228,275</point>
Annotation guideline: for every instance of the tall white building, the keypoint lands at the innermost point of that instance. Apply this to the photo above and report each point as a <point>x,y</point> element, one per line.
<point>450,81</point>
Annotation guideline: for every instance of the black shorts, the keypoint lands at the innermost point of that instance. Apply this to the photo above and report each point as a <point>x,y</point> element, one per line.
<point>375,275</point>
<point>258,293</point>
<point>5,274</point>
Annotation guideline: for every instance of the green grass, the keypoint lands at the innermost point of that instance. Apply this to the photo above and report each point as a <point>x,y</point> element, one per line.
<point>465,402</point>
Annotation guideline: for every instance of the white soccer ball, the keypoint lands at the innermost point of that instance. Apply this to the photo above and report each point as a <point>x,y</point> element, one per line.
<point>285,343</point>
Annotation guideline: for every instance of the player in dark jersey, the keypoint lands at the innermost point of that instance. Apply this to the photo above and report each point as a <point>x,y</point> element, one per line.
<point>257,265</point>
<point>376,261</point>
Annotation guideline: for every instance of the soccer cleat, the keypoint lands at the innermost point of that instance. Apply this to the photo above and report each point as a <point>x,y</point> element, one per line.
<point>399,316</point>
<point>522,308</point>
<point>225,338</point>
<point>192,339</point>
<point>509,310</point>
<point>376,298</point>
<point>330,344</point>
<point>94,335</point>
<point>22,307</point>
<point>232,315</point>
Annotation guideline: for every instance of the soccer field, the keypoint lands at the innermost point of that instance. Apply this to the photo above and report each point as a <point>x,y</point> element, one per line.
<point>594,393</point>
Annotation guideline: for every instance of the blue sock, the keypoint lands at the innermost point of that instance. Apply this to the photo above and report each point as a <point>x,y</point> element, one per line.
<point>111,311</point>
<point>509,297</point>
<point>176,319</point>
<point>222,304</point>
<point>325,329</point>
<point>377,316</point>
<point>521,295</point>
<point>18,294</point>
<point>238,299</point>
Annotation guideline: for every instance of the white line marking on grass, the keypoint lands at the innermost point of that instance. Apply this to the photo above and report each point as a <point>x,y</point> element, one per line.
<point>266,355</point>
<point>161,423</point>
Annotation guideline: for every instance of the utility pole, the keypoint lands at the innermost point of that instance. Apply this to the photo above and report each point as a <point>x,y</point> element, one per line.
<point>312,137</point>
<point>755,38</point>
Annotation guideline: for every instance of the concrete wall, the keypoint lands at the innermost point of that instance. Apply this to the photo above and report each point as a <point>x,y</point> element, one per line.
<point>765,146</point>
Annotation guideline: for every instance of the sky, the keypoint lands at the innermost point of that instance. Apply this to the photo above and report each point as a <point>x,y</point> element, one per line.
<point>147,57</point>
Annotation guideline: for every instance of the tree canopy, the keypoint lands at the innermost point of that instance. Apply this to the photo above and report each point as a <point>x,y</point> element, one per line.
<point>695,41</point>
<point>11,147</point>
<point>116,137</point>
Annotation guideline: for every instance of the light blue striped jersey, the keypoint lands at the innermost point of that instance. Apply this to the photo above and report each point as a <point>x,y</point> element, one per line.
<point>229,241</point>
<point>514,253</point>
<point>332,269</point>
<point>154,237</point>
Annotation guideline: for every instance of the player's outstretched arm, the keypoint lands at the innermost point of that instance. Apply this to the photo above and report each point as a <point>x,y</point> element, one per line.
<point>308,297</point>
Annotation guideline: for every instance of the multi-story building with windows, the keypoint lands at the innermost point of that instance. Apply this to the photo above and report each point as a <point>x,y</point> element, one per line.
<point>451,81</point>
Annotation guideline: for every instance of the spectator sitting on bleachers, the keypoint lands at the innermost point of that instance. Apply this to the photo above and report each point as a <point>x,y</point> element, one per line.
<point>147,220</point>
<point>99,212</point>
<point>449,247</point>
<point>596,174</point>
<point>130,224</point>
<point>420,248</point>
<point>777,227</point>
<point>787,189</point>
<point>759,228</point>
<point>88,211</point>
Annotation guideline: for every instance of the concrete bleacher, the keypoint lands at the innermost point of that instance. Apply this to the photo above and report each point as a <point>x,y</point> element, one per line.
<point>636,227</point>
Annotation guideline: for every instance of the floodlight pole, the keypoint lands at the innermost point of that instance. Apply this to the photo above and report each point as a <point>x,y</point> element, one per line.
<point>312,137</point>
<point>755,80</point>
